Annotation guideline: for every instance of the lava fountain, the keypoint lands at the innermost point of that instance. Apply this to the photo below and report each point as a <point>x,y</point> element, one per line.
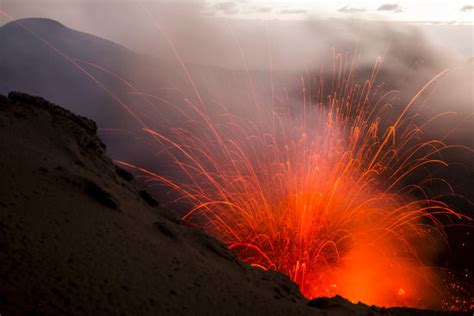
<point>317,191</point>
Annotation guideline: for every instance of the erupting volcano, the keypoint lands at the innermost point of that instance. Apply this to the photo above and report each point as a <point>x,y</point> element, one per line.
<point>318,190</point>
<point>265,158</point>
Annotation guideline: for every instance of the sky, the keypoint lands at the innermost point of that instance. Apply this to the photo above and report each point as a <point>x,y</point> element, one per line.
<point>449,22</point>
<point>452,11</point>
<point>457,11</point>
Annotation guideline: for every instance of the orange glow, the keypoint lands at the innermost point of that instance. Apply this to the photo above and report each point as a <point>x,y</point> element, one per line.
<point>317,195</point>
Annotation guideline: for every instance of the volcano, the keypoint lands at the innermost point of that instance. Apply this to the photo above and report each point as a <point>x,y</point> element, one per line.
<point>101,244</point>
<point>80,236</point>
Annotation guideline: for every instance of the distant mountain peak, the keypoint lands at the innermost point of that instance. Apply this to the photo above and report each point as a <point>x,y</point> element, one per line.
<point>35,23</point>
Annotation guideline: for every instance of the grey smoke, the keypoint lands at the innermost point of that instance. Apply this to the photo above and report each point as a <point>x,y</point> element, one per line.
<point>411,54</point>
<point>467,8</point>
<point>389,7</point>
<point>349,9</point>
<point>228,7</point>
<point>293,11</point>
<point>265,10</point>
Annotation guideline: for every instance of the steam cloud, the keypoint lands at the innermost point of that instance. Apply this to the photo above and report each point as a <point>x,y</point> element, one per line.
<point>410,56</point>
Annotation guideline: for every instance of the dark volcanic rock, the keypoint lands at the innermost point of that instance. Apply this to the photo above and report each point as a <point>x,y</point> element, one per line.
<point>80,237</point>
<point>340,306</point>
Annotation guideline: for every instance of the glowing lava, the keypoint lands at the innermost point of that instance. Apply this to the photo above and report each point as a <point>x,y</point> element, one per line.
<point>317,193</point>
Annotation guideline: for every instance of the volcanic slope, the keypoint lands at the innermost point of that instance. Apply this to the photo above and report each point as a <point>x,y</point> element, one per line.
<point>79,236</point>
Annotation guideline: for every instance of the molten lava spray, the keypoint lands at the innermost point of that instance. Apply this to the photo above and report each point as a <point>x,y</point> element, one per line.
<point>318,191</point>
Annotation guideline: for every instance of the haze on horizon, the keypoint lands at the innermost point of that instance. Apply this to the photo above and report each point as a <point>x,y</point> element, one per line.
<point>216,33</point>
<point>455,11</point>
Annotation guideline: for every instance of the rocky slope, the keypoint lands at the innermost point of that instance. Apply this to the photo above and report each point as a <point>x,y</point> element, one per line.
<point>79,236</point>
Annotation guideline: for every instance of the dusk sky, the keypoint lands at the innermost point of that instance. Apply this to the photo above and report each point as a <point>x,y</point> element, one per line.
<point>449,23</point>
<point>455,11</point>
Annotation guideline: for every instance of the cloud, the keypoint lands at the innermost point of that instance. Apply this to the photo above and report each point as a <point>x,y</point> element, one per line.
<point>264,10</point>
<point>389,7</point>
<point>228,7</point>
<point>467,8</point>
<point>293,11</point>
<point>349,9</point>
<point>225,6</point>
